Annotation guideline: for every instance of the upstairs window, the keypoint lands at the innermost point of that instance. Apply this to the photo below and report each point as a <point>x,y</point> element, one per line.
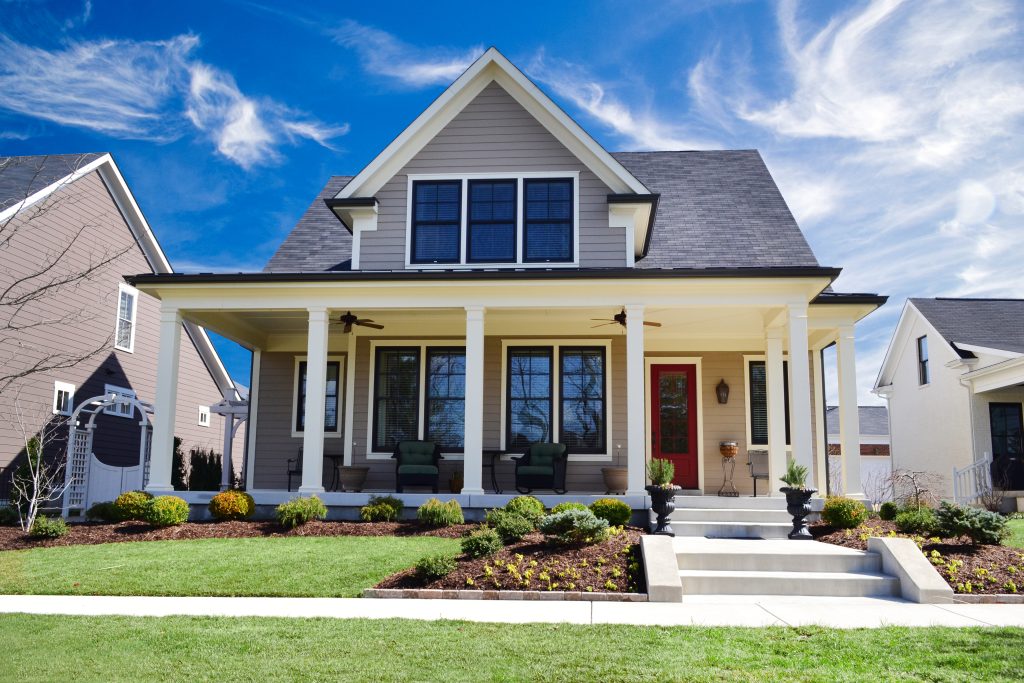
<point>124,335</point>
<point>436,221</point>
<point>491,224</point>
<point>547,233</point>
<point>923,374</point>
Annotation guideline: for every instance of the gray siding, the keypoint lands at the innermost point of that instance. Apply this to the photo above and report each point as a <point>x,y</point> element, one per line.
<point>493,133</point>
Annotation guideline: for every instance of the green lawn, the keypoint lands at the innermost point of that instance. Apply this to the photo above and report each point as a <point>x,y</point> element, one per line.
<point>1016,537</point>
<point>190,648</point>
<point>326,567</point>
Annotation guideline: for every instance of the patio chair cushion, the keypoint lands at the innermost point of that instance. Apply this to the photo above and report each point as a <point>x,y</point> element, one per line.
<point>542,470</point>
<point>544,454</point>
<point>417,469</point>
<point>416,453</point>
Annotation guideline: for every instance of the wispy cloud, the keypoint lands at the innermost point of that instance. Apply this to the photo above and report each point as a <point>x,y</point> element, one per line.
<point>382,54</point>
<point>150,90</point>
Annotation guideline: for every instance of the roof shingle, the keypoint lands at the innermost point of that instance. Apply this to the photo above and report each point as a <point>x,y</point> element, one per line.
<point>23,176</point>
<point>990,323</point>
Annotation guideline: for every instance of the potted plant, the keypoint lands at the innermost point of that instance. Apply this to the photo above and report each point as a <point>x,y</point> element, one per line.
<point>455,482</point>
<point>663,494</point>
<point>729,449</point>
<point>798,499</point>
<point>614,477</point>
<point>352,478</point>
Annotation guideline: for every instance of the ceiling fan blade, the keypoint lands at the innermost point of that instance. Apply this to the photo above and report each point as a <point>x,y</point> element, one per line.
<point>604,325</point>
<point>651,323</point>
<point>602,320</point>
<point>367,323</point>
<point>347,328</point>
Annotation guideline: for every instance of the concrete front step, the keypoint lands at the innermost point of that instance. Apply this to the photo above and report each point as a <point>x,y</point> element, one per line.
<point>740,502</point>
<point>732,529</point>
<point>836,584</point>
<point>753,515</point>
<point>778,561</point>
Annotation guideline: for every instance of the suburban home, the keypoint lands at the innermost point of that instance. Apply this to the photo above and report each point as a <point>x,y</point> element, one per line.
<point>495,279</point>
<point>875,460</point>
<point>954,379</point>
<point>72,219</point>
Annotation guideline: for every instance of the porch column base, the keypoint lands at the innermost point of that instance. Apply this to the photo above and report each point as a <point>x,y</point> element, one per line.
<point>310,491</point>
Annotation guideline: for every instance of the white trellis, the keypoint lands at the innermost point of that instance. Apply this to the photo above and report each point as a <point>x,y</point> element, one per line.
<point>235,412</point>
<point>80,456</point>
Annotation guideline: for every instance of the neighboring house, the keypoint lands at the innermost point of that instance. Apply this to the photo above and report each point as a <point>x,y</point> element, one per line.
<point>525,285</point>
<point>954,379</point>
<point>875,463</point>
<point>81,204</point>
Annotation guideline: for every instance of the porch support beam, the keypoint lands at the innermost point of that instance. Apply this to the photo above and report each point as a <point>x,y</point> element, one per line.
<point>316,389</point>
<point>775,380</point>
<point>800,389</point>
<point>849,419</point>
<point>473,435</point>
<point>162,448</point>
<point>636,442</point>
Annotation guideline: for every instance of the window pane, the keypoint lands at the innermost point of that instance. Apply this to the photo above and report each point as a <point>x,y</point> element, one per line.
<point>583,400</point>
<point>548,221</point>
<point>491,225</point>
<point>549,241</point>
<point>446,385</point>
<point>759,401</point>
<point>331,397</point>
<point>436,243</point>
<point>124,333</point>
<point>529,396</point>
<point>397,397</point>
<point>437,208</point>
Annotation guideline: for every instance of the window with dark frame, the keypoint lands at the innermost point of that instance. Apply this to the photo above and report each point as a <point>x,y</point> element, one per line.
<point>582,397</point>
<point>758,400</point>
<point>548,220</point>
<point>491,223</point>
<point>331,397</point>
<point>436,221</point>
<point>396,394</point>
<point>529,396</point>
<point>923,373</point>
<point>445,397</point>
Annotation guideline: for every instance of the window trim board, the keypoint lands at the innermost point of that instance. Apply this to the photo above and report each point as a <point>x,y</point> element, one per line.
<point>341,359</point>
<point>69,389</point>
<point>125,288</point>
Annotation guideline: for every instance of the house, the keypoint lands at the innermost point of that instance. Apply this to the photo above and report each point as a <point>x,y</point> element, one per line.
<point>95,335</point>
<point>953,376</point>
<point>495,278</point>
<point>875,460</point>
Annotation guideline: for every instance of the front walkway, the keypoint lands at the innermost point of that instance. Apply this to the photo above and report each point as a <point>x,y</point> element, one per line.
<point>694,611</point>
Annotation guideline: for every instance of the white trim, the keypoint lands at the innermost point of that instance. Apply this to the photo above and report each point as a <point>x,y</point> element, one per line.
<point>204,416</point>
<point>556,344</point>
<point>17,207</point>
<point>650,361</point>
<point>747,358</point>
<point>67,388</point>
<point>124,288</point>
<point>519,177</point>
<point>987,350</point>
<point>250,428</point>
<point>342,362</point>
<point>117,409</point>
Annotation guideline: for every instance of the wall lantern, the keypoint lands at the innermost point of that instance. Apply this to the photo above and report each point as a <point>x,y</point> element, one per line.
<point>722,391</point>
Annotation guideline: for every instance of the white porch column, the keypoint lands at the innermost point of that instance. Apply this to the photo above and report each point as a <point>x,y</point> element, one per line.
<point>800,390</point>
<point>316,388</point>
<point>849,419</point>
<point>775,380</point>
<point>225,461</point>
<point>162,449</point>
<point>473,435</point>
<point>249,464</point>
<point>636,427</point>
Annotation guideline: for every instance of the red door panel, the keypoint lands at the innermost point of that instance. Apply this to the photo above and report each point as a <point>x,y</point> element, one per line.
<point>674,419</point>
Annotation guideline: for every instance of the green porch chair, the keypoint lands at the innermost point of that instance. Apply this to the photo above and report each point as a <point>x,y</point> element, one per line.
<point>416,464</point>
<point>542,466</point>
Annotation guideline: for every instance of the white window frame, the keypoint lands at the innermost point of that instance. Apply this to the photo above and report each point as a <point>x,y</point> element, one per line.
<point>115,410</point>
<point>423,345</point>
<point>556,404</point>
<point>123,288</point>
<point>204,416</point>
<point>746,398</point>
<point>338,432</point>
<point>519,177</point>
<point>67,388</point>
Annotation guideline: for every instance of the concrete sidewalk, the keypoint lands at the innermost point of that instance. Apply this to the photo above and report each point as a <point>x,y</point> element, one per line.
<point>745,610</point>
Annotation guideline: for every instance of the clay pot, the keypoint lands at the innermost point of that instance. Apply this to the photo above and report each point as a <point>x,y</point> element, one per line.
<point>614,479</point>
<point>352,478</point>
<point>729,449</point>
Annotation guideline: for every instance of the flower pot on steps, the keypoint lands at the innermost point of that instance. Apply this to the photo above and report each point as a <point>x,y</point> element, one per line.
<point>663,502</point>
<point>798,504</point>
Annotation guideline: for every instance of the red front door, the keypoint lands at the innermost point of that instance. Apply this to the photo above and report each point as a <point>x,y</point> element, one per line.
<point>674,419</point>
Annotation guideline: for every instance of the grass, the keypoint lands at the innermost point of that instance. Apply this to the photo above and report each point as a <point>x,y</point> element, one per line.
<point>203,648</point>
<point>1016,537</point>
<point>302,566</point>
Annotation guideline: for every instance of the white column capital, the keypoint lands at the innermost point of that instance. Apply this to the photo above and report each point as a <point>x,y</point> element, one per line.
<point>775,333</point>
<point>475,312</point>
<point>845,331</point>
<point>797,309</point>
<point>317,313</point>
<point>633,309</point>
<point>170,314</point>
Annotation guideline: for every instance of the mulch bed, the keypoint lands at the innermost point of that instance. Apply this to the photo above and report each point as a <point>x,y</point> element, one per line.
<point>967,568</point>
<point>532,564</point>
<point>12,538</point>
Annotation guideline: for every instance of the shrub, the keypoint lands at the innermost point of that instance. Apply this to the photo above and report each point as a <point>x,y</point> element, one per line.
<point>916,521</point>
<point>574,526</point>
<point>436,513</point>
<point>132,505</point>
<point>299,511</point>
<point>48,527</point>
<point>981,526</point>
<point>382,509</point>
<point>167,511</point>
<point>843,513</point>
<point>526,506</point>
<point>482,543</point>
<point>612,510</point>
<point>661,472</point>
<point>102,512</point>
<point>433,567</point>
<point>232,504</point>
<point>512,527</point>
<point>562,507</point>
<point>888,511</point>
<point>8,516</point>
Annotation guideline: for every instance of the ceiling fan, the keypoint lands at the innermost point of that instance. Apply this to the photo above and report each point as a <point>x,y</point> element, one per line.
<point>348,320</point>
<point>620,319</point>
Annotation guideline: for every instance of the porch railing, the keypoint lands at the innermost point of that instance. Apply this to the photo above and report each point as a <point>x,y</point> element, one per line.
<point>973,481</point>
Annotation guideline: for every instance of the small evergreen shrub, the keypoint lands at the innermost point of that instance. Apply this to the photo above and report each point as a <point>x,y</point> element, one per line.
<point>512,527</point>
<point>102,512</point>
<point>888,511</point>
<point>526,506</point>
<point>8,516</point>
<point>48,527</point>
<point>132,505</point>
<point>434,567</point>
<point>167,511</point>
<point>482,543</point>
<point>299,511</point>
<point>436,513</point>
<point>562,507</point>
<point>232,504</point>
<point>382,509</point>
<point>574,526</point>
<point>981,526</point>
<point>843,513</point>
<point>916,521</point>
<point>612,510</point>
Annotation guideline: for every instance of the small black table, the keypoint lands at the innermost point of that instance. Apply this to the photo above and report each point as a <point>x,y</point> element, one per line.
<point>493,455</point>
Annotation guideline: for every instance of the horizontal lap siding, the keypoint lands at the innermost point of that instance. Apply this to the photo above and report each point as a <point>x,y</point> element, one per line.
<point>493,133</point>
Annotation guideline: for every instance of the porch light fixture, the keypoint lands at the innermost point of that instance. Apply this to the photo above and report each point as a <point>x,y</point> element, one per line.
<point>722,391</point>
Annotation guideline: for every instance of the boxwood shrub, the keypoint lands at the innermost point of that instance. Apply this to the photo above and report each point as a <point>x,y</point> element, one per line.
<point>232,504</point>
<point>299,511</point>
<point>48,527</point>
<point>574,526</point>
<point>433,567</point>
<point>568,505</point>
<point>612,510</point>
<point>8,516</point>
<point>167,511</point>
<point>482,543</point>
<point>526,506</point>
<point>843,513</point>
<point>382,509</point>
<point>102,512</point>
<point>916,521</point>
<point>888,511</point>
<point>132,505</point>
<point>511,527</point>
<point>437,513</point>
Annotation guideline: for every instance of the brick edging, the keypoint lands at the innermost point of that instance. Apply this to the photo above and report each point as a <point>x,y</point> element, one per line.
<point>989,598</point>
<point>434,593</point>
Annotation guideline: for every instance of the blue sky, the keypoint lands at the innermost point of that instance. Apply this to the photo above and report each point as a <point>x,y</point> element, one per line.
<point>893,128</point>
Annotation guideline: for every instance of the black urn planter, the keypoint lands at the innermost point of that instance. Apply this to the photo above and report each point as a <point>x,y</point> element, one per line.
<point>663,502</point>
<point>798,504</point>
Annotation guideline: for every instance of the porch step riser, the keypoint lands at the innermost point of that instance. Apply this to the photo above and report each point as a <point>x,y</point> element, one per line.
<point>868,563</point>
<point>731,516</point>
<point>797,583</point>
<point>731,530</point>
<point>742,503</point>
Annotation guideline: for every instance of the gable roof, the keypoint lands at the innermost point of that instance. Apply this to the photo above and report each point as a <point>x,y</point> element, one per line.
<point>318,242</point>
<point>873,420</point>
<point>21,177</point>
<point>986,323</point>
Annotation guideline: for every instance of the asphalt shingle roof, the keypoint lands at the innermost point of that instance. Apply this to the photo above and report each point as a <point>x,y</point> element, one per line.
<point>873,420</point>
<point>991,323</point>
<point>23,176</point>
<point>319,241</point>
